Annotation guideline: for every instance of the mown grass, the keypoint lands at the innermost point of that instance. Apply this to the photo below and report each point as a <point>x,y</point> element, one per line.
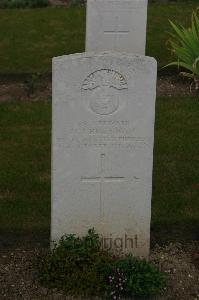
<point>25,130</point>
<point>176,167</point>
<point>25,167</point>
<point>30,38</point>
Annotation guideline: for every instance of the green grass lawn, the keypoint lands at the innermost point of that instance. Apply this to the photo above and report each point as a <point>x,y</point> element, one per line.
<point>25,167</point>
<point>30,38</point>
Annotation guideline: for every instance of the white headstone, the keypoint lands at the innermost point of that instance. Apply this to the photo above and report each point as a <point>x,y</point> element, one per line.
<point>116,25</point>
<point>103,130</point>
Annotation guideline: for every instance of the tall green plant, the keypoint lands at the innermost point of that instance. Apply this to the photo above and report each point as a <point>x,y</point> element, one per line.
<point>185,45</point>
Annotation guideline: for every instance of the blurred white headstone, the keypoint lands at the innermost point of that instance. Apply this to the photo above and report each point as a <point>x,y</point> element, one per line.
<point>116,25</point>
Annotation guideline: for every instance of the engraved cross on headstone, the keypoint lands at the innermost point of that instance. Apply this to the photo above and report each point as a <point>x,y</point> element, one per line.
<point>101,180</point>
<point>117,32</point>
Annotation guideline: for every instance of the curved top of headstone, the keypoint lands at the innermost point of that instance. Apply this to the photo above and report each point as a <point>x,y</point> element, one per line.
<point>107,54</point>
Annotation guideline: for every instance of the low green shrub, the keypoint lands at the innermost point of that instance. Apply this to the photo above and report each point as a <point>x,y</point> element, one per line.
<point>143,279</point>
<point>185,46</point>
<point>23,3</point>
<point>79,266</point>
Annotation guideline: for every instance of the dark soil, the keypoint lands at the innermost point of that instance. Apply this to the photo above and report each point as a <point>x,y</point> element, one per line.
<point>66,2</point>
<point>41,89</point>
<point>19,272</point>
<point>24,88</point>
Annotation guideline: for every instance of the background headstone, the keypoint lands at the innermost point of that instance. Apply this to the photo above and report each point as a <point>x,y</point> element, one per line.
<point>116,25</point>
<point>102,153</point>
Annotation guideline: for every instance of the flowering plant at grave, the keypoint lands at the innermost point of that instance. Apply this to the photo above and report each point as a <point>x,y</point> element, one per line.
<point>79,266</point>
<point>117,283</point>
<point>185,45</point>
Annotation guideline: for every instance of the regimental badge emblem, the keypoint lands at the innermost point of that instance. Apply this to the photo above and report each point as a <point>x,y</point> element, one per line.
<point>104,90</point>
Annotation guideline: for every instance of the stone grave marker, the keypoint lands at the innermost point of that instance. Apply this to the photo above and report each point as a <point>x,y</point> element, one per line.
<point>102,148</point>
<point>116,25</point>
